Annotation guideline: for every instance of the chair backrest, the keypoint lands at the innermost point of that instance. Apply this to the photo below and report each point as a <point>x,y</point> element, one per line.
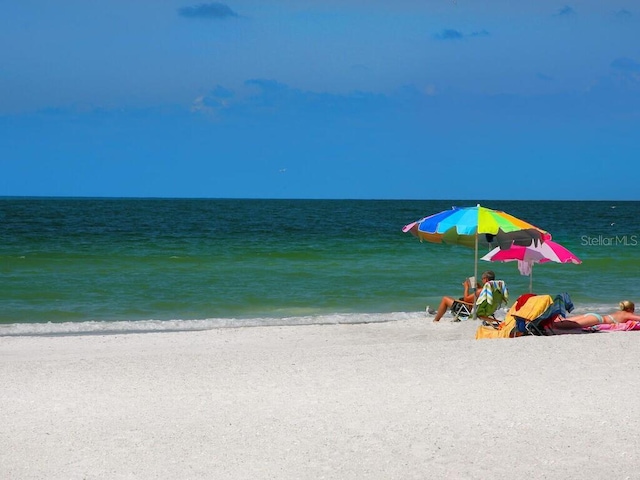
<point>493,294</point>
<point>561,305</point>
<point>527,307</point>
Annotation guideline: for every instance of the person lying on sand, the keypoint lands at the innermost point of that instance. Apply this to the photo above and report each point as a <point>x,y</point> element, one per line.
<point>625,314</point>
<point>469,295</point>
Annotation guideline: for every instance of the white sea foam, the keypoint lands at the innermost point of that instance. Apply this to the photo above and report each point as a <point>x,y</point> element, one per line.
<point>142,326</point>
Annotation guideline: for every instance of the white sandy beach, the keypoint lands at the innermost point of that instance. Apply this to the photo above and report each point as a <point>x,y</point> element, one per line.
<point>401,400</point>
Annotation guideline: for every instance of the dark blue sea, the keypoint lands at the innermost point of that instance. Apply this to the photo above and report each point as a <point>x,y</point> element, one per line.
<point>82,265</point>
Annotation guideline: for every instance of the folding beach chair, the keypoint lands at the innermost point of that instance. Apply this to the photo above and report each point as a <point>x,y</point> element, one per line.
<point>526,308</point>
<point>494,293</point>
<point>529,315</point>
<point>461,310</point>
<point>541,325</point>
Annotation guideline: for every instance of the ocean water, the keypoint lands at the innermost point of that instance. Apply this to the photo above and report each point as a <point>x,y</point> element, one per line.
<point>72,265</point>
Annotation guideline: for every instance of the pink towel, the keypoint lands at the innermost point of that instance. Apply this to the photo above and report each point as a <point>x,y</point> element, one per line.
<point>615,327</point>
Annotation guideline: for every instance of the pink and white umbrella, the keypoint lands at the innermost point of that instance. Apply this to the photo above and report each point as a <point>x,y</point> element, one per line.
<point>548,251</point>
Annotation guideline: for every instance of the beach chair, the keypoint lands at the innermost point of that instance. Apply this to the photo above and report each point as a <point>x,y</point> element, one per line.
<point>526,308</point>
<point>494,293</point>
<point>529,315</point>
<point>461,310</point>
<point>541,325</point>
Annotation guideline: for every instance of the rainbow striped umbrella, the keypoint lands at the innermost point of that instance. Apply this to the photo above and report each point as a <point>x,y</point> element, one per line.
<point>474,226</point>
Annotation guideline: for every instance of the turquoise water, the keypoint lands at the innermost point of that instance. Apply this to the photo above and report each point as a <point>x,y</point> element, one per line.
<point>122,264</point>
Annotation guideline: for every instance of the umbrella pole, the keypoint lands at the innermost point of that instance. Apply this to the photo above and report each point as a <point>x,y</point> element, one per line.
<point>474,313</point>
<point>531,279</point>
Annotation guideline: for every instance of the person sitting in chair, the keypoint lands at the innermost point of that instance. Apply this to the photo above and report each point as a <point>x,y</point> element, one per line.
<point>470,294</point>
<point>624,314</point>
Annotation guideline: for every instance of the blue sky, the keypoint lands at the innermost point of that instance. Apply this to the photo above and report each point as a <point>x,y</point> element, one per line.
<point>321,99</point>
